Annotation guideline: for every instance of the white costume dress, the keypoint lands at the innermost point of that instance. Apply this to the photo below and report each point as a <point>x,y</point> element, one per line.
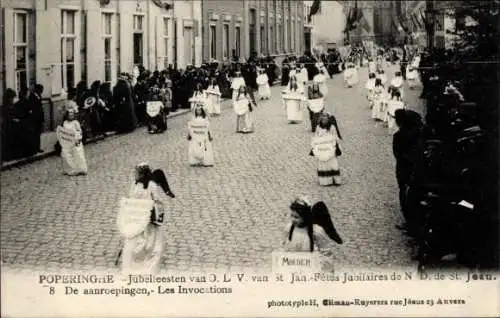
<point>397,82</point>
<point>300,243</point>
<point>293,101</point>
<point>392,106</point>
<point>200,151</point>
<point>321,80</point>
<point>302,79</point>
<point>369,87</point>
<point>197,98</point>
<point>372,67</point>
<point>324,144</point>
<point>244,120</point>
<point>379,111</point>
<point>213,99</point>
<point>351,76</point>
<point>143,253</point>
<point>72,153</point>
<point>411,76</point>
<point>264,89</point>
<point>383,78</point>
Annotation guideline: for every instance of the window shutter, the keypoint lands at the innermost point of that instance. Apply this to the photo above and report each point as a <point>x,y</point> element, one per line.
<point>10,76</point>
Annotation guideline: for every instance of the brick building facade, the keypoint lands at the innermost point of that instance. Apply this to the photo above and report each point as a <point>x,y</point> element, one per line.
<point>239,27</point>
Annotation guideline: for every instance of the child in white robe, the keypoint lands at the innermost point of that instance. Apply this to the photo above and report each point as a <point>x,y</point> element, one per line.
<point>296,99</point>
<point>302,78</point>
<point>378,111</point>
<point>370,87</point>
<point>311,230</point>
<point>200,151</point>
<point>73,155</point>
<point>372,67</point>
<point>198,97</point>
<point>263,82</point>
<point>243,109</point>
<point>320,78</point>
<point>143,249</point>
<point>393,104</point>
<point>326,148</point>
<point>383,77</point>
<point>351,75</point>
<point>397,83</point>
<point>411,76</point>
<point>213,97</point>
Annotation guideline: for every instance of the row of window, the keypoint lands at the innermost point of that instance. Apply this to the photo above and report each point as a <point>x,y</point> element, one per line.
<point>69,47</point>
<point>69,35</point>
<point>225,41</point>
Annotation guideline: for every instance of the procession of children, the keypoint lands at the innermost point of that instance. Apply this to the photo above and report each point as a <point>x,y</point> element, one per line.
<point>141,219</point>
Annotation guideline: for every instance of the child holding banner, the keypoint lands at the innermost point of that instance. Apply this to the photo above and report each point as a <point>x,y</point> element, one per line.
<point>293,100</point>
<point>351,75</point>
<point>213,97</point>
<point>200,151</point>
<point>320,78</point>
<point>243,109</point>
<point>156,111</point>
<point>379,110</point>
<point>370,87</point>
<point>316,105</point>
<point>263,82</point>
<point>393,104</point>
<point>198,97</point>
<point>141,221</point>
<point>326,148</point>
<point>69,136</point>
<point>310,231</point>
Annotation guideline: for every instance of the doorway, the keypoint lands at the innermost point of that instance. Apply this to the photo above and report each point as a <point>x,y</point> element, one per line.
<point>307,40</point>
<point>138,49</point>
<point>252,32</point>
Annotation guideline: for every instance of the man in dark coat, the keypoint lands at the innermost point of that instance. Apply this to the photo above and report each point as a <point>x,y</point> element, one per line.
<point>407,148</point>
<point>249,73</point>
<point>37,116</point>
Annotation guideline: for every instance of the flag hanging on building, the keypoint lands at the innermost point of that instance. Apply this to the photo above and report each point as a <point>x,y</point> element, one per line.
<point>315,8</point>
<point>356,17</point>
<point>416,22</point>
<point>364,23</point>
<point>425,21</point>
<point>348,20</point>
<point>403,22</point>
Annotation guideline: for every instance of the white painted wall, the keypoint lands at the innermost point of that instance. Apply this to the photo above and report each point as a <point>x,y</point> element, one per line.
<point>327,25</point>
<point>186,13</point>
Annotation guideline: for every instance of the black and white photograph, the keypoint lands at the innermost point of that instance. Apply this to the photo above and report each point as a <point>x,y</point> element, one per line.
<point>145,137</point>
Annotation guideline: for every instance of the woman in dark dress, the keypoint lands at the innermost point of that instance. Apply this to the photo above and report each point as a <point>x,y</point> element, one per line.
<point>126,119</point>
<point>285,72</point>
<point>10,125</point>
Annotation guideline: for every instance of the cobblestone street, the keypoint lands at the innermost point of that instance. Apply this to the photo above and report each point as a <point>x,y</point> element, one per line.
<point>230,216</point>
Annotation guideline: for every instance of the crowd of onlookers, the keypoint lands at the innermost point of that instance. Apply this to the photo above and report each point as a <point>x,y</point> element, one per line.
<point>22,123</point>
<point>447,163</point>
<point>102,108</point>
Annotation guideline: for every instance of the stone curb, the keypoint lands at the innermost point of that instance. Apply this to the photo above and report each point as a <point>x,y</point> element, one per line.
<point>38,157</point>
